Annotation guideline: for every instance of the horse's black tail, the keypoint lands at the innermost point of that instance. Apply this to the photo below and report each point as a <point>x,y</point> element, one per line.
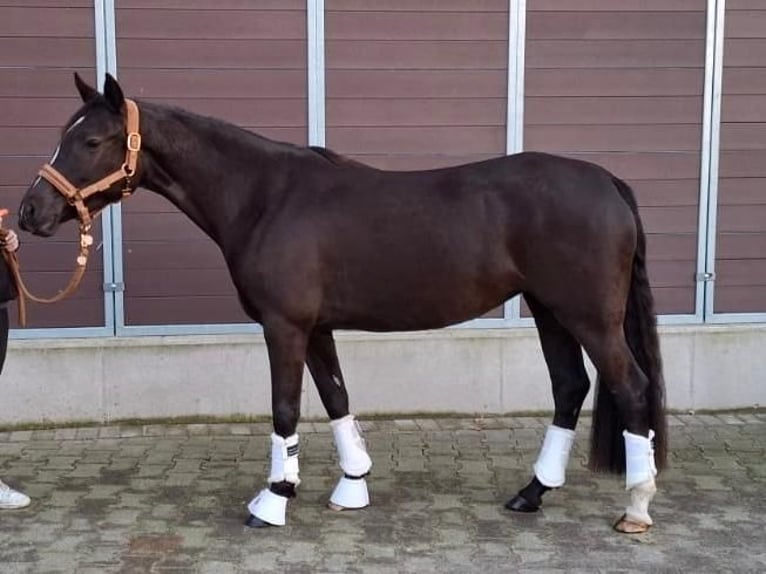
<point>607,443</point>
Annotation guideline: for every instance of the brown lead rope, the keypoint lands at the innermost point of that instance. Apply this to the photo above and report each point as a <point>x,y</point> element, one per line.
<point>86,240</point>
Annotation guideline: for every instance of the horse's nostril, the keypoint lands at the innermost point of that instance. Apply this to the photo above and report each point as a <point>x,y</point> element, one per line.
<point>26,212</point>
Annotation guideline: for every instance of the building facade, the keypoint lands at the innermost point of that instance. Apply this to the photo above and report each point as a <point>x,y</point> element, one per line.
<point>668,94</point>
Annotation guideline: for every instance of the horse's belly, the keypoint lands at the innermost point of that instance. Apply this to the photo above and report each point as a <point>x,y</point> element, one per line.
<point>422,300</point>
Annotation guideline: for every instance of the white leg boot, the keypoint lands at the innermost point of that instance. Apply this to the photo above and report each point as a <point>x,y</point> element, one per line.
<point>550,468</point>
<point>640,470</point>
<point>351,491</point>
<point>269,508</point>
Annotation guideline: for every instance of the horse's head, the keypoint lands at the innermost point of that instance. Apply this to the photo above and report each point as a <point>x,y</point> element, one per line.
<point>90,167</point>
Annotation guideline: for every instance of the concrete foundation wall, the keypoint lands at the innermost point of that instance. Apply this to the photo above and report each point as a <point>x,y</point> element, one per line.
<point>458,370</point>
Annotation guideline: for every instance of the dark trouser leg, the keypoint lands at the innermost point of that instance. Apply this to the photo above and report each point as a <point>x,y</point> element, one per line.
<point>4,326</point>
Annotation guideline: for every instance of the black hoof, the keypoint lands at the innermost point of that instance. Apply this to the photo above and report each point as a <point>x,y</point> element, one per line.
<point>255,522</point>
<point>520,504</point>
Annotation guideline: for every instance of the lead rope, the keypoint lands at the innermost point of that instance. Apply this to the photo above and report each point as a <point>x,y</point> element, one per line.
<point>86,240</point>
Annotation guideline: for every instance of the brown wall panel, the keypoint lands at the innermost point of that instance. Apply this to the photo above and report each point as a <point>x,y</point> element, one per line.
<point>740,266</point>
<point>615,54</point>
<point>426,55</point>
<point>414,112</point>
<point>732,245</point>
<point>626,82</point>
<point>414,85</point>
<point>408,84</point>
<point>58,52</point>
<point>662,193</point>
<point>218,83</point>
<point>202,26</point>
<point>744,81</point>
<point>349,25</point>
<point>216,6</point>
<point>612,5</point>
<point>599,110</point>
<point>64,22</point>
<point>740,299</point>
<point>620,84</point>
<point>420,5</point>
<point>243,62</point>
<point>585,24</point>
<point>444,140</point>
<point>40,46</point>
<point>277,54</point>
<point>748,108</point>
<point>605,138</point>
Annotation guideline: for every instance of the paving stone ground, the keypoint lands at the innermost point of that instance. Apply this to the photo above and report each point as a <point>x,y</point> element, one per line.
<point>171,499</point>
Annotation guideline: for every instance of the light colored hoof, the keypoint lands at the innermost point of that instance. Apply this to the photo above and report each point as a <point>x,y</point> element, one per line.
<point>349,494</point>
<point>627,526</point>
<point>335,507</point>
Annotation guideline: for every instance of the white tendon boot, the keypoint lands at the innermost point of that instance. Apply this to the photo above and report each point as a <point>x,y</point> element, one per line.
<point>351,491</point>
<point>550,468</point>
<point>640,471</point>
<point>267,506</point>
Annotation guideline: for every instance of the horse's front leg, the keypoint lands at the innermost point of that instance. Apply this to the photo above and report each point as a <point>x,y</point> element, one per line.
<point>286,345</point>
<point>322,360</point>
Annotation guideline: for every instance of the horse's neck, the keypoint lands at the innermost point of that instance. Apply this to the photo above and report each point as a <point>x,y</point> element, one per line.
<point>205,168</point>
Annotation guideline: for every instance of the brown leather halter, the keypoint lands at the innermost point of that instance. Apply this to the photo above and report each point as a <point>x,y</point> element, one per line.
<point>76,198</point>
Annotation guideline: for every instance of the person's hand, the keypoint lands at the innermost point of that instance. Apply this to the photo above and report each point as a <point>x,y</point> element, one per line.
<point>10,242</point>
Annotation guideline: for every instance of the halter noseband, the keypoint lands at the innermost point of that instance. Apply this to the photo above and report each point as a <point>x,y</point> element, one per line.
<point>76,197</point>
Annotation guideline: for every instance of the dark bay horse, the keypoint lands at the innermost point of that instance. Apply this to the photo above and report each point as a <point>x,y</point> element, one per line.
<point>315,242</point>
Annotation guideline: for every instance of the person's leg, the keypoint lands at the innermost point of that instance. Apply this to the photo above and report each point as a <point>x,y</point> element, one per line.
<point>4,326</point>
<point>9,498</point>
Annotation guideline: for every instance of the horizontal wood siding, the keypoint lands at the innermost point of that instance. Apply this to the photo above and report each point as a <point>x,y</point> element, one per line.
<point>740,284</point>
<point>41,45</point>
<point>241,61</point>
<point>416,84</point>
<point>620,84</point>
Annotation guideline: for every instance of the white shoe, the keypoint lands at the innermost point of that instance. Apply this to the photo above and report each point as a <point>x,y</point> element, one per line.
<point>10,498</point>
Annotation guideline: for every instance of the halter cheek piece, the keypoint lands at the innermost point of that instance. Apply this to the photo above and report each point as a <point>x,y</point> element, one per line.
<point>76,198</point>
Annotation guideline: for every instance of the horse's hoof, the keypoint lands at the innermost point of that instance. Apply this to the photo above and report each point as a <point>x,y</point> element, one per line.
<point>520,504</point>
<point>627,526</point>
<point>255,522</point>
<point>335,507</point>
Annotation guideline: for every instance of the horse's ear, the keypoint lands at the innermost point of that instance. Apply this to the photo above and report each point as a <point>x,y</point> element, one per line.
<point>87,93</point>
<point>113,93</point>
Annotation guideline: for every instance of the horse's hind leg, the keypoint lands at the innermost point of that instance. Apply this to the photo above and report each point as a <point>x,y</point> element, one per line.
<point>563,356</point>
<point>322,360</point>
<point>627,386</point>
<point>286,345</point>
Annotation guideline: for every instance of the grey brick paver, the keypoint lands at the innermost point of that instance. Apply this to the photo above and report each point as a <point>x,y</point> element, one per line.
<point>171,499</point>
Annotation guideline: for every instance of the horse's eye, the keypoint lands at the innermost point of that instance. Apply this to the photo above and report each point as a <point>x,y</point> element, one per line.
<point>93,143</point>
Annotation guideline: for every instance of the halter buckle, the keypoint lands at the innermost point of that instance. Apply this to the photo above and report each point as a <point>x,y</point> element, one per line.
<point>134,142</point>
